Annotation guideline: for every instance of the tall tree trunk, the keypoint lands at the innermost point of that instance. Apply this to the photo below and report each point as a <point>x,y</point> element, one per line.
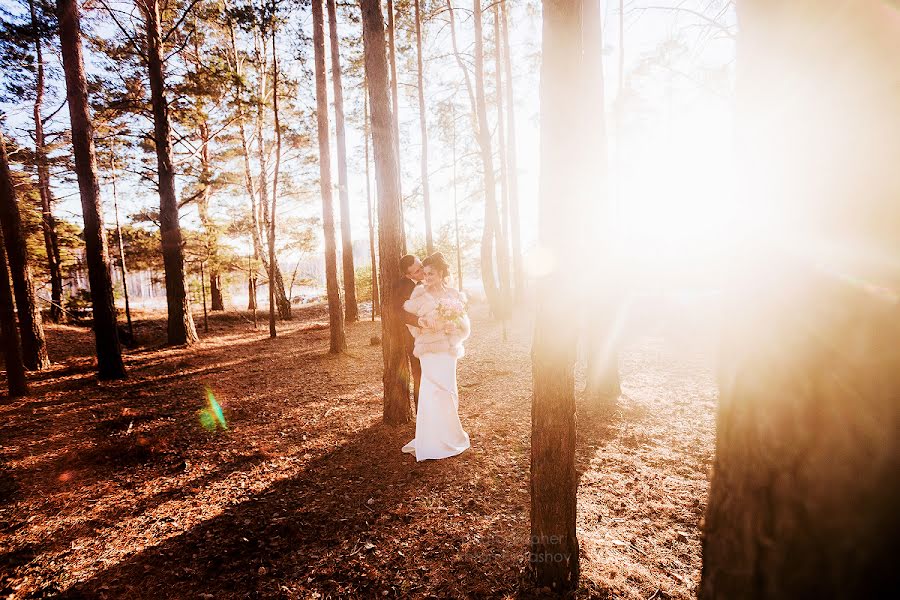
<point>395,104</point>
<point>376,297</point>
<point>512,164</point>
<point>459,268</point>
<point>16,382</point>
<point>397,408</point>
<point>31,328</point>
<point>273,262</point>
<point>554,481</point>
<point>603,311</point>
<point>492,236</point>
<point>423,127</point>
<point>181,328</point>
<point>804,495</point>
<point>48,222</point>
<point>335,314</point>
<point>351,308</point>
<point>109,353</point>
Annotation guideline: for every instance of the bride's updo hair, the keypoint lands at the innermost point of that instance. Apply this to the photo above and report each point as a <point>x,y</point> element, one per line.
<point>439,263</point>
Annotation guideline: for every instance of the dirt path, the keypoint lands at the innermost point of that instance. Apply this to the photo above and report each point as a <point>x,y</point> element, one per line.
<point>117,490</point>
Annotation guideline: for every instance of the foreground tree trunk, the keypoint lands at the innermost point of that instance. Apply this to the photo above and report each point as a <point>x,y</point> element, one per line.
<point>512,163</point>
<point>804,495</point>
<point>335,314</point>
<point>31,328</point>
<point>109,353</point>
<point>397,407</point>
<point>48,222</point>
<point>423,128</point>
<point>554,481</point>
<point>603,310</point>
<point>351,308</point>
<point>16,382</point>
<point>180,327</point>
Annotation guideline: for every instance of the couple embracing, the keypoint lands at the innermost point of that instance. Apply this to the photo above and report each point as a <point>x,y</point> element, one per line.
<point>435,316</point>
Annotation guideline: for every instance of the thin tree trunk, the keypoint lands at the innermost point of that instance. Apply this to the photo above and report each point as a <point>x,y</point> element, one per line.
<point>123,269</point>
<point>462,65</point>
<point>109,353</point>
<point>397,407</point>
<point>351,309</point>
<point>48,222</point>
<point>554,480</point>
<point>501,148</point>
<point>16,382</point>
<point>181,328</point>
<point>603,311</point>
<point>237,67</point>
<point>459,269</point>
<point>512,164</point>
<point>31,328</point>
<point>273,262</point>
<point>492,236</point>
<point>212,235</point>
<point>335,314</point>
<point>376,299</point>
<point>395,104</point>
<point>423,127</point>
<point>804,494</point>
<point>262,222</point>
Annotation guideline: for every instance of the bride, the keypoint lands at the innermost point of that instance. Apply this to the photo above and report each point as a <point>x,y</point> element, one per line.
<point>443,327</point>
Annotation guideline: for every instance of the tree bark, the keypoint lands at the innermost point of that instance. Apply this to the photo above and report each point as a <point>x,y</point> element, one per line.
<point>395,107</point>
<point>181,328</point>
<point>376,298</point>
<point>554,481</point>
<point>423,128</point>
<point>512,164</point>
<point>492,236</point>
<point>109,353</point>
<point>351,308</point>
<point>603,310</point>
<point>16,382</point>
<point>48,222</point>
<point>31,328</point>
<point>335,314</point>
<point>397,407</point>
<point>804,495</point>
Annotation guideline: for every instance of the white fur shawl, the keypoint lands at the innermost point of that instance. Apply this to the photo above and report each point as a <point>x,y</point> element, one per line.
<point>428,341</point>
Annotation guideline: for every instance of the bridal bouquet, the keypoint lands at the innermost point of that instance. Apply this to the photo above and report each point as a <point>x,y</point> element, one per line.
<point>452,311</point>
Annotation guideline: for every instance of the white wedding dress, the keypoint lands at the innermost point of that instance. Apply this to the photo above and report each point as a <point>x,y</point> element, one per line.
<point>439,433</point>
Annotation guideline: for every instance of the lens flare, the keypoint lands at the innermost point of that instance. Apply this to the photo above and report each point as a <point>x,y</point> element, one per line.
<point>212,417</point>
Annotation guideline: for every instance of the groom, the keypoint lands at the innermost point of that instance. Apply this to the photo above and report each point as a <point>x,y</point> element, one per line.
<point>412,274</point>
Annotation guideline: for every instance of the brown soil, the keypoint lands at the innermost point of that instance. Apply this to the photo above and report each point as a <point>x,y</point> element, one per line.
<point>111,490</point>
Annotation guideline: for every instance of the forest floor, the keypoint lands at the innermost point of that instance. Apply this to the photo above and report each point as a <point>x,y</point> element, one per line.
<point>124,489</point>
